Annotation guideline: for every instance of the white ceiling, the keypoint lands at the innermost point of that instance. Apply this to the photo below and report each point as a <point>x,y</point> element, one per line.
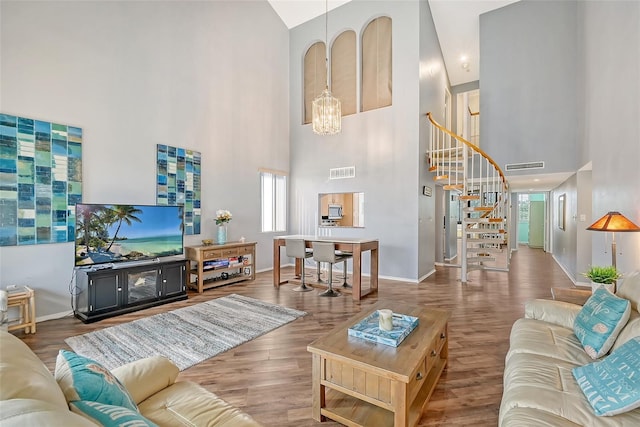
<point>457,24</point>
<point>295,12</point>
<point>535,183</point>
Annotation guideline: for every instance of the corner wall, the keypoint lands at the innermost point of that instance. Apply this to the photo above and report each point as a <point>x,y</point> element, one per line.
<point>209,76</point>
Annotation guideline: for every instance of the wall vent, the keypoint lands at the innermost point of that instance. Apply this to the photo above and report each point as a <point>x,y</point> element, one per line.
<point>521,166</point>
<point>342,173</point>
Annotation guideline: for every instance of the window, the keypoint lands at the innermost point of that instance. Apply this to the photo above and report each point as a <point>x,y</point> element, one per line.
<point>376,64</point>
<point>274,201</point>
<point>315,76</point>
<point>523,207</point>
<point>343,71</point>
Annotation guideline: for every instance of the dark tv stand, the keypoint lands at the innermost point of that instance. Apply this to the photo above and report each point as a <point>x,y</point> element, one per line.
<point>109,290</point>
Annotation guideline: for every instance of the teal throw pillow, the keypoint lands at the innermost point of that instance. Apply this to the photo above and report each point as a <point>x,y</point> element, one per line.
<point>110,415</point>
<point>81,378</point>
<point>600,321</point>
<point>612,385</point>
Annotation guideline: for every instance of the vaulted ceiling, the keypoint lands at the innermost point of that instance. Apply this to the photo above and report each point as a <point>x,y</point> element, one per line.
<point>456,21</point>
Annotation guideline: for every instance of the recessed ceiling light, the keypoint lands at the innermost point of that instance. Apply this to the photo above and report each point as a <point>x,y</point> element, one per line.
<point>536,179</point>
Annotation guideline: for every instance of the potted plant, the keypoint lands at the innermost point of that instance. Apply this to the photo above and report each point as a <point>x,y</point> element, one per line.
<point>606,276</point>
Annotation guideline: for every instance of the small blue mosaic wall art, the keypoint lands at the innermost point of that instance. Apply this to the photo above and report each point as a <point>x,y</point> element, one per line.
<point>178,183</point>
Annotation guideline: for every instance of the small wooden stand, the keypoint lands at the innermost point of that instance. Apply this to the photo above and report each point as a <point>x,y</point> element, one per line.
<point>23,298</point>
<point>212,277</point>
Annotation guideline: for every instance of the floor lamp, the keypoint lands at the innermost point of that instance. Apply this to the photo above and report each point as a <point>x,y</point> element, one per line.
<point>613,222</point>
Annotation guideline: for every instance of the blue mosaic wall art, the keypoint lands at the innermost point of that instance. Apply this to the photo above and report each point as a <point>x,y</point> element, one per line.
<point>40,181</point>
<point>178,183</point>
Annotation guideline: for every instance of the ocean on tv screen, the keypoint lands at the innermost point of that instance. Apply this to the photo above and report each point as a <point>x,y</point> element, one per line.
<point>116,233</point>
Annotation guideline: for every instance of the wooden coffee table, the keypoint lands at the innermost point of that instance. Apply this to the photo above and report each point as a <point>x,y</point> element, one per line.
<point>361,383</point>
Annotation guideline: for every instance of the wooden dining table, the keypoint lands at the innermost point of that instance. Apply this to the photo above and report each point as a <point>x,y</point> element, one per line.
<point>354,245</point>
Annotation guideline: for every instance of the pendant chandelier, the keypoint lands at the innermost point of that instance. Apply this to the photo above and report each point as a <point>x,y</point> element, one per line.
<point>326,111</point>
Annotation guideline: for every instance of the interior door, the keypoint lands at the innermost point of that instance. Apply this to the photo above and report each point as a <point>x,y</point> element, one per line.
<point>536,224</point>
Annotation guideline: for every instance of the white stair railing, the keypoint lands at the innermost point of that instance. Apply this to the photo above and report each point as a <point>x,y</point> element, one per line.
<point>458,165</point>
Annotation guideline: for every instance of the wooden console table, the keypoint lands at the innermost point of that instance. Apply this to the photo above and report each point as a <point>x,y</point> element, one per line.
<point>208,275</point>
<point>24,298</point>
<point>362,383</point>
<point>346,244</point>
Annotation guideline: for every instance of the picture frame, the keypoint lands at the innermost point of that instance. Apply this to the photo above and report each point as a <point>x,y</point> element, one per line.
<point>562,210</point>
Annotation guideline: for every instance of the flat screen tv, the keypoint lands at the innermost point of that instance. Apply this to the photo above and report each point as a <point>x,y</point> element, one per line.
<point>119,233</point>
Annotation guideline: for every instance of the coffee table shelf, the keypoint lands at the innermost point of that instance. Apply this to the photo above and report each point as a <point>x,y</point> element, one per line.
<point>352,411</point>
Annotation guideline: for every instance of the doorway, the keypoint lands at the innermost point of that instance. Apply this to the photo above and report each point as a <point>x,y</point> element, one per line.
<point>531,219</point>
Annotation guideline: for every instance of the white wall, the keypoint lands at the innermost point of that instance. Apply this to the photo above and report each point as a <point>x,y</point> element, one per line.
<point>565,241</point>
<point>528,84</point>
<point>209,76</point>
<point>383,144</point>
<point>433,81</point>
<point>584,236</point>
<point>612,130</point>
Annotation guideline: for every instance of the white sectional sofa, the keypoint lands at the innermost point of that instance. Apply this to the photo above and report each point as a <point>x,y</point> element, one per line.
<point>539,387</point>
<point>31,396</point>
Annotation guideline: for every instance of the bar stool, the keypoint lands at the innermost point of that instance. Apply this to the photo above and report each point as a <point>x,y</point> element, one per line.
<point>326,252</point>
<point>296,248</point>
<point>346,256</point>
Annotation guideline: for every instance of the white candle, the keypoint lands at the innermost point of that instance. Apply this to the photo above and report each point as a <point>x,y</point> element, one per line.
<point>385,321</point>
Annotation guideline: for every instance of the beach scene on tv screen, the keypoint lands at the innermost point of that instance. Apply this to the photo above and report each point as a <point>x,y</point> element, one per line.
<point>114,233</point>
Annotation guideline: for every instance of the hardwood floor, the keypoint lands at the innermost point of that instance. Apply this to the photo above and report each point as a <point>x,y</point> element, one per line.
<point>270,377</point>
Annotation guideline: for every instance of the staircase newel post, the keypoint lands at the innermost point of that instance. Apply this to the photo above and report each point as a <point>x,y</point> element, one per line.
<point>463,260</point>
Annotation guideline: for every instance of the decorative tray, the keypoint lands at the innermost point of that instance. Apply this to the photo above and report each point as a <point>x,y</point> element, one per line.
<point>368,329</point>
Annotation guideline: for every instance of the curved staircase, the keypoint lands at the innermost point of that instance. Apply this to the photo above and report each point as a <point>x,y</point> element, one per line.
<point>461,167</point>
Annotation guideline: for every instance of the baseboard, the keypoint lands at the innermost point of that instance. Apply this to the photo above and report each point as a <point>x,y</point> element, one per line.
<point>426,275</point>
<point>564,269</point>
<point>54,316</point>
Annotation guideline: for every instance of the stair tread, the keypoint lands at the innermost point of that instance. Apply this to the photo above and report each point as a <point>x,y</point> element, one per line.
<point>484,250</point>
<point>480,240</point>
<point>482,220</point>
<point>478,209</point>
<point>441,177</point>
<point>454,187</point>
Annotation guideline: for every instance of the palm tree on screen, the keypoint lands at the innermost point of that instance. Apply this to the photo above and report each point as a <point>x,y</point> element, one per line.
<point>126,214</point>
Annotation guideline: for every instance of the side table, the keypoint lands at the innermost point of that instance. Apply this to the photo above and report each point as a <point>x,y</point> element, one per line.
<point>23,297</point>
<point>572,295</point>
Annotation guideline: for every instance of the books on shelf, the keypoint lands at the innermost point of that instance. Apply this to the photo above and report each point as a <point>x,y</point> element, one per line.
<point>215,263</point>
<point>368,329</point>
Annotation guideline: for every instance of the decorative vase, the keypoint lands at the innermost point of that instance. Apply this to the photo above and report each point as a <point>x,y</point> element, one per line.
<point>611,287</point>
<point>222,234</point>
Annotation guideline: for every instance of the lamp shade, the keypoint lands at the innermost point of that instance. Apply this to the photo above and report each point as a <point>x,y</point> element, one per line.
<point>613,221</point>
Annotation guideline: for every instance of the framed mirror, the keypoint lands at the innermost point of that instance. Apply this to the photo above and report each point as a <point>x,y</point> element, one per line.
<point>341,210</point>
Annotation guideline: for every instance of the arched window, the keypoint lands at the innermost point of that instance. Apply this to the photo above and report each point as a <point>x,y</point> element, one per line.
<point>315,76</point>
<point>343,71</point>
<point>376,64</point>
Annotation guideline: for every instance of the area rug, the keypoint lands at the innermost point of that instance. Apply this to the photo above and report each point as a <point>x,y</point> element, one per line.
<point>186,336</point>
